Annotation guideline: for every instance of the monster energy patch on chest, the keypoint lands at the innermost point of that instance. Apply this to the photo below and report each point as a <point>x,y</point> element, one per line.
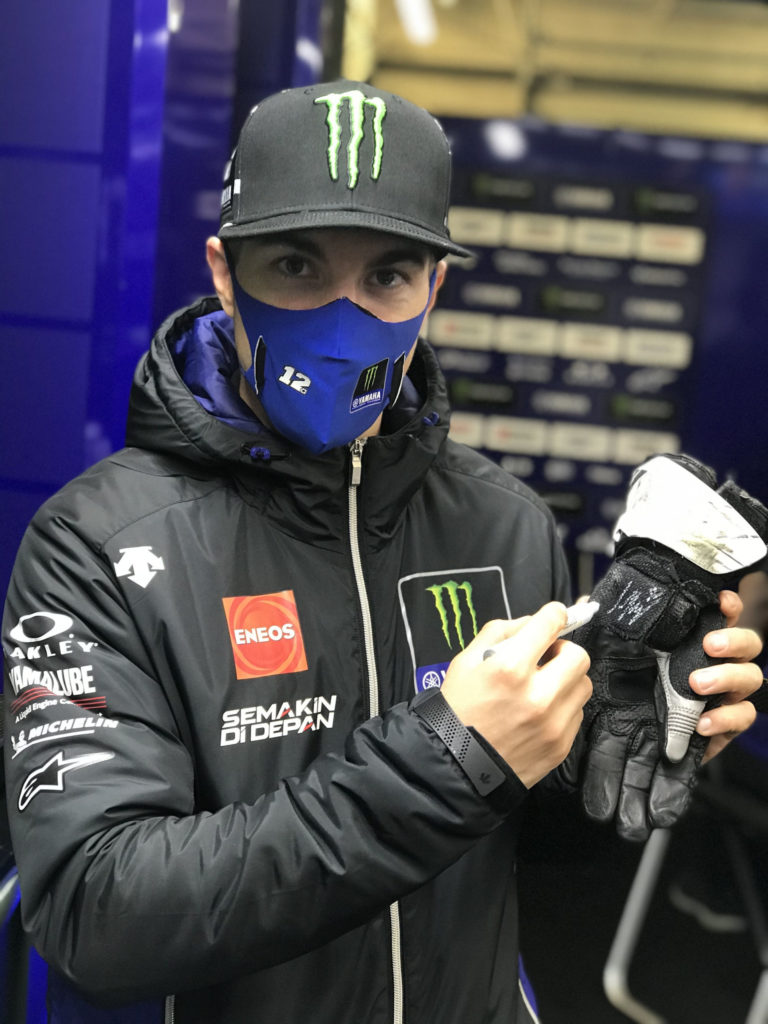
<point>443,612</point>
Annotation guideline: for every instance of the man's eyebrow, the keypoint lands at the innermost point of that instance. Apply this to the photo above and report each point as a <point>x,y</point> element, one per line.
<point>294,239</point>
<point>404,253</point>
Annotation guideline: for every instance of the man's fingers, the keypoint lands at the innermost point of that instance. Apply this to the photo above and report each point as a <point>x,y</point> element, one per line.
<point>496,631</point>
<point>565,660</point>
<point>734,643</point>
<point>731,606</point>
<point>734,680</point>
<point>727,719</point>
<point>528,644</point>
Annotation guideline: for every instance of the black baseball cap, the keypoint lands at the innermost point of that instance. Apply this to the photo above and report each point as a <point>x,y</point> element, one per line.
<point>340,154</point>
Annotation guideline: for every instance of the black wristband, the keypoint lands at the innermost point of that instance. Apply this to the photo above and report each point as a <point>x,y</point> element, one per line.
<point>477,765</point>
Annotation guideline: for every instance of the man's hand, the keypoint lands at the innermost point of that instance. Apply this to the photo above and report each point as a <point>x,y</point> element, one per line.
<point>733,681</point>
<point>527,699</point>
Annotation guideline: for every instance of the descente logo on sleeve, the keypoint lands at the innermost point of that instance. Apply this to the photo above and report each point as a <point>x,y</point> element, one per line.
<point>265,634</point>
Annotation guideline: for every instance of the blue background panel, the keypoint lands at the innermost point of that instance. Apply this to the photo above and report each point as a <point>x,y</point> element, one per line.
<point>52,78</point>
<point>46,372</point>
<point>53,218</point>
<point>17,506</point>
<point>81,127</point>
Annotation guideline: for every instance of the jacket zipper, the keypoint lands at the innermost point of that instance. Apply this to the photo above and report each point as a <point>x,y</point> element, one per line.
<point>356,452</point>
<point>356,449</point>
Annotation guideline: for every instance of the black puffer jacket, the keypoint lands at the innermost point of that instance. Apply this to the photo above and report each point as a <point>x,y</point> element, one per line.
<point>219,784</point>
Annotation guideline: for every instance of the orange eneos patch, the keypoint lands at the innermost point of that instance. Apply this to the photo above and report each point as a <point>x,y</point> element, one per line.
<point>265,634</point>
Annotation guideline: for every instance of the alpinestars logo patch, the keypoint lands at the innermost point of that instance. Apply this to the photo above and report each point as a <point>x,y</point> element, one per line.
<point>357,105</point>
<point>50,776</point>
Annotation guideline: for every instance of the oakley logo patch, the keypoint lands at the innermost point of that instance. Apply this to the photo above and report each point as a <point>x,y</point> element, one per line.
<point>39,626</point>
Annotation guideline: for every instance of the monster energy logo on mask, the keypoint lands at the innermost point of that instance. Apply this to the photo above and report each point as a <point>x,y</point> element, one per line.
<point>358,102</point>
<point>451,590</point>
<point>370,386</point>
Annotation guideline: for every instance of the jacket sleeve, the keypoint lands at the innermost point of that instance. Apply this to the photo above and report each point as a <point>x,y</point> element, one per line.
<point>125,888</point>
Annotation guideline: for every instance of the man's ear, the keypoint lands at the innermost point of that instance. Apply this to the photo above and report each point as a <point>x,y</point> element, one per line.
<point>441,268</point>
<point>222,280</point>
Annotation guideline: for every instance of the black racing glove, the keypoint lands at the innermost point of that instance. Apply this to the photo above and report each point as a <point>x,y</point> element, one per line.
<point>678,544</point>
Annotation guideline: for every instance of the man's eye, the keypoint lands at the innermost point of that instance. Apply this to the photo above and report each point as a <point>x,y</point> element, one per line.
<point>294,266</point>
<point>386,277</point>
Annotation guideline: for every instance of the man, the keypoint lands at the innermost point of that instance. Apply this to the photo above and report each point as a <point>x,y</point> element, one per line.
<point>240,788</point>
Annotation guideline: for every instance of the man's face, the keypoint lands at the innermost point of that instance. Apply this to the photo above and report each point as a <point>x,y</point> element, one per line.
<point>386,275</point>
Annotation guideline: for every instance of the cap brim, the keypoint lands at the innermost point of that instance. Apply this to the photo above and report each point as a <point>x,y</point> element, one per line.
<point>334,218</point>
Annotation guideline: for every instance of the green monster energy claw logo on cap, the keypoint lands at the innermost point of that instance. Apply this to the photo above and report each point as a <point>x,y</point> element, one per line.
<point>358,102</point>
<point>452,589</point>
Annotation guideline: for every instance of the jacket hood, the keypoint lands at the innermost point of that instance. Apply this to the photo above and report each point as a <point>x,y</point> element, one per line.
<point>184,403</point>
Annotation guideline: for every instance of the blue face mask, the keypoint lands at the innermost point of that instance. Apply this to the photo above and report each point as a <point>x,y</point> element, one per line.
<point>324,375</point>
